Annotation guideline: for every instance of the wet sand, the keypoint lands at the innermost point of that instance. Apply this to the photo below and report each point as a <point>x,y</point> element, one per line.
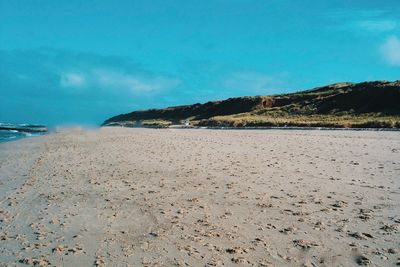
<point>165,197</point>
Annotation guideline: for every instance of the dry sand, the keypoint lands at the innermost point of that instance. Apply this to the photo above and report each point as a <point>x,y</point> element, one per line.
<point>147,197</point>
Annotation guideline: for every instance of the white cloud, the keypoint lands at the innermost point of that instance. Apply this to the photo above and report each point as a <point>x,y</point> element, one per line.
<point>390,50</point>
<point>70,79</point>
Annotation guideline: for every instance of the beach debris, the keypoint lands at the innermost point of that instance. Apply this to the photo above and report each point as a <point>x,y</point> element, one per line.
<point>391,228</point>
<point>319,226</point>
<point>99,262</point>
<point>236,250</point>
<point>239,260</point>
<point>364,261</point>
<point>59,249</point>
<point>288,230</point>
<point>42,262</point>
<point>366,214</point>
<point>339,204</point>
<point>304,244</point>
<point>360,236</point>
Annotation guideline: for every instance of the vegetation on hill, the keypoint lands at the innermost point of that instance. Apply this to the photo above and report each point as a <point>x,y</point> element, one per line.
<point>341,105</point>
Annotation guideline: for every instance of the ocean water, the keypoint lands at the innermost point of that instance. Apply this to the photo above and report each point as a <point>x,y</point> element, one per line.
<point>11,132</point>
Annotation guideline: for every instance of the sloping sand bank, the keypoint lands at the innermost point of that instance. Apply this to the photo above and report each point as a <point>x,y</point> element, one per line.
<point>148,197</point>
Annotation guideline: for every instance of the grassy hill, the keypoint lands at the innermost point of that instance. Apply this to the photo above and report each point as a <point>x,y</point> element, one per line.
<point>349,105</point>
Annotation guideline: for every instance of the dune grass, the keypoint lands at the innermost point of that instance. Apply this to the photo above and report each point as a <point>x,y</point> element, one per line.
<point>156,123</point>
<point>344,121</point>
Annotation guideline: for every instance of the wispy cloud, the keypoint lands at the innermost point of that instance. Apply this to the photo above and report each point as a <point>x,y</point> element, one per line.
<point>134,83</point>
<point>364,21</point>
<point>116,80</point>
<point>356,13</point>
<point>376,25</point>
<point>71,79</point>
<point>390,50</point>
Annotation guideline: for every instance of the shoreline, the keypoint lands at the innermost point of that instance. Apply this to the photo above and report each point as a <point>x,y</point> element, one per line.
<point>41,129</point>
<point>34,135</point>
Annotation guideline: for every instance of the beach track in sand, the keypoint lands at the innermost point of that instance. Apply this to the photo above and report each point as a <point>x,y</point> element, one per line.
<point>175,197</point>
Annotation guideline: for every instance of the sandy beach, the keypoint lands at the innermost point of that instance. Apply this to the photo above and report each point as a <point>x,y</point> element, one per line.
<point>173,197</point>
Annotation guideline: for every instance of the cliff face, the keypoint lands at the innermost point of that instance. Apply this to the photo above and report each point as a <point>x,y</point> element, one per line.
<point>343,99</point>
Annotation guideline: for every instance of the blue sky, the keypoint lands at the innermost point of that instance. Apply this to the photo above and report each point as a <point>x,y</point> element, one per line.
<point>83,61</point>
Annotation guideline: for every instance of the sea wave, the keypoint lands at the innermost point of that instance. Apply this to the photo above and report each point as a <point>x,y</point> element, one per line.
<point>10,131</point>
